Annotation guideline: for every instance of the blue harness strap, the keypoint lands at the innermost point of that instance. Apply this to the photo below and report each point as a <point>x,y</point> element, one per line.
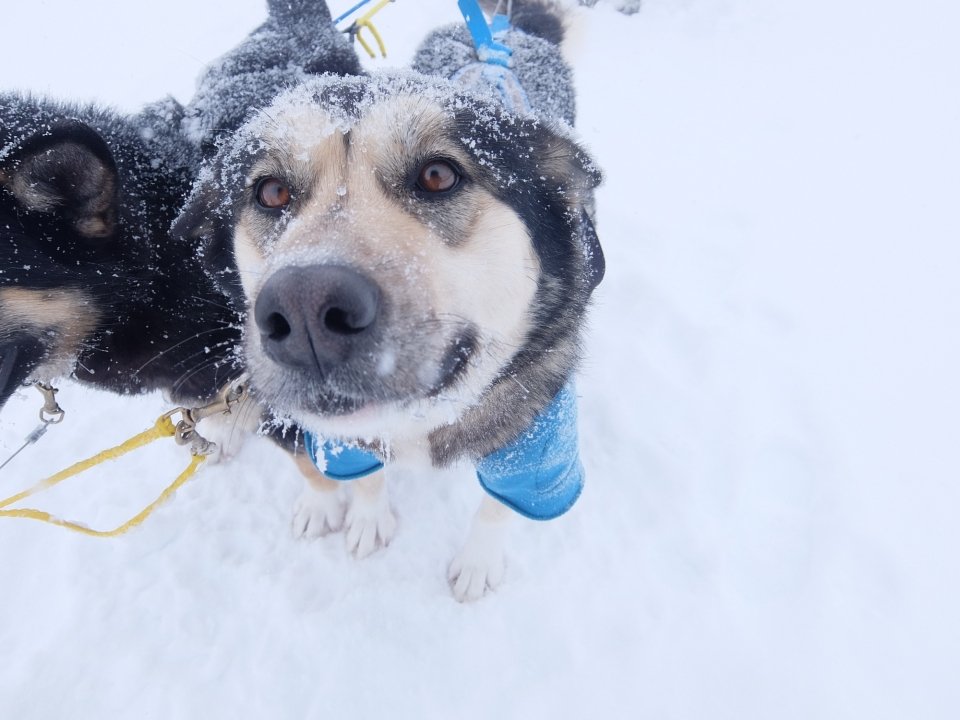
<point>488,49</point>
<point>497,77</point>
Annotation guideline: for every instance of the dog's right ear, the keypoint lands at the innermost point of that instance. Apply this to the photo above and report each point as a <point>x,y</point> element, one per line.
<point>204,223</point>
<point>67,171</point>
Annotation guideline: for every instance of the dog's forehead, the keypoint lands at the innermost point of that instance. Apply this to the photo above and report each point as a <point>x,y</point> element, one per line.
<point>305,125</point>
<point>296,131</point>
<point>405,113</point>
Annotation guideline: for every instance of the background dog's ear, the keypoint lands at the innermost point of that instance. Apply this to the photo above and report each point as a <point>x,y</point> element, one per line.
<point>68,171</point>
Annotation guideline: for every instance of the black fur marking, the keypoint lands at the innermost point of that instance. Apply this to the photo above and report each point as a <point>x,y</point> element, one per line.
<point>456,360</point>
<point>20,353</point>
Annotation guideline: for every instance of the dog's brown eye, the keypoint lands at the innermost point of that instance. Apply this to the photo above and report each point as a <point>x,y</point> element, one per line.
<point>438,176</point>
<point>273,194</point>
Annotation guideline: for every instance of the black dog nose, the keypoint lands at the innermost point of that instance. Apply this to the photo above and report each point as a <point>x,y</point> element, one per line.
<point>316,316</point>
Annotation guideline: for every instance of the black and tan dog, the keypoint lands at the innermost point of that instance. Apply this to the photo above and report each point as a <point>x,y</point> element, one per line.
<point>92,284</point>
<point>417,261</point>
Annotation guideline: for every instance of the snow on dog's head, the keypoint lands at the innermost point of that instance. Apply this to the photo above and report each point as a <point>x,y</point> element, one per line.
<point>399,243</point>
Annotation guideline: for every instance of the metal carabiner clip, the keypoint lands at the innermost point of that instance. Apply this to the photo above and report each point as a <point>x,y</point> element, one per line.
<point>186,430</point>
<point>50,407</point>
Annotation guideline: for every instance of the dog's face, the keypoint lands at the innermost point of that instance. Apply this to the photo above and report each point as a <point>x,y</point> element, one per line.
<point>398,244</point>
<point>58,191</point>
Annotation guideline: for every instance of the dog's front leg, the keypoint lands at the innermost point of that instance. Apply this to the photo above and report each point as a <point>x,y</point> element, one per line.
<point>319,509</point>
<point>370,521</point>
<point>480,564</point>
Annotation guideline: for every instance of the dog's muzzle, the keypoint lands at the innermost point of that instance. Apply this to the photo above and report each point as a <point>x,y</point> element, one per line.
<point>316,317</point>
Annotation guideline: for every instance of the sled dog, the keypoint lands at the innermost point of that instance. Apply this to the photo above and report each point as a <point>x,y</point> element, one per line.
<point>92,284</point>
<point>416,259</point>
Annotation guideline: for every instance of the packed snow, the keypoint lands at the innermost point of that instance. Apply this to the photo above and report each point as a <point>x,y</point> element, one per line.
<point>768,414</point>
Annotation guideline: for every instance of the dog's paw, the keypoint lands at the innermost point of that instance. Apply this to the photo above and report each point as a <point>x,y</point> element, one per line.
<point>477,568</point>
<point>316,513</point>
<point>481,563</point>
<point>370,524</point>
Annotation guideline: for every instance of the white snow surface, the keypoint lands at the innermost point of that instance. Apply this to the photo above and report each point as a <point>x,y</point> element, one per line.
<point>768,414</point>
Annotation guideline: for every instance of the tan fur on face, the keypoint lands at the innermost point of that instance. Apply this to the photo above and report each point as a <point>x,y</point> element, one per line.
<point>64,317</point>
<point>487,277</point>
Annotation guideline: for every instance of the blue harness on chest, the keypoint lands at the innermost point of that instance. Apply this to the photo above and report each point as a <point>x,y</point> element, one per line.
<point>539,474</point>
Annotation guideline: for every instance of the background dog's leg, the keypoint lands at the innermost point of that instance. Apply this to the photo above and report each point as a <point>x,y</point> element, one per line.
<point>319,509</point>
<point>480,564</point>
<point>370,521</point>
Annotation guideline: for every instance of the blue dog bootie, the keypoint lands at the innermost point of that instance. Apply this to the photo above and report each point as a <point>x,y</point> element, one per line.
<point>539,474</point>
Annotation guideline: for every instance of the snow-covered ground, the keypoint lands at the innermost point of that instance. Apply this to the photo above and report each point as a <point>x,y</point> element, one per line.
<point>769,415</point>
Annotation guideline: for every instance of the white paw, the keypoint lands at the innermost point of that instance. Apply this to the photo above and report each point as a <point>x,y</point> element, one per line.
<point>478,567</point>
<point>316,513</point>
<point>370,524</point>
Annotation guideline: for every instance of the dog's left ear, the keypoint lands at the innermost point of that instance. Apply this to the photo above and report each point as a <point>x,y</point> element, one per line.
<point>67,171</point>
<point>575,175</point>
<point>590,242</point>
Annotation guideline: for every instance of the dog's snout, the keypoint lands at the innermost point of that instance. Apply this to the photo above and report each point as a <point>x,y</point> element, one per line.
<point>316,316</point>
